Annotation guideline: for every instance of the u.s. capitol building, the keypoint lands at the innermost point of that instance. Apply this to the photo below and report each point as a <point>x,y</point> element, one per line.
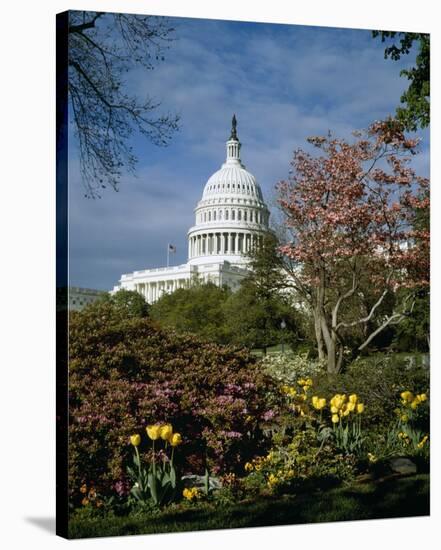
<point>230,219</point>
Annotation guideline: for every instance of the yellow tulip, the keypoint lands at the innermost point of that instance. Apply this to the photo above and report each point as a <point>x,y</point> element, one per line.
<point>421,397</point>
<point>175,440</point>
<point>153,431</point>
<point>360,408</point>
<point>135,440</point>
<point>404,418</point>
<point>190,494</point>
<point>407,396</point>
<point>334,409</point>
<point>166,431</point>
<point>414,404</point>
<point>321,403</point>
<point>346,412</point>
<point>351,406</point>
<point>353,398</point>
<point>335,418</point>
<point>248,467</point>
<point>272,480</point>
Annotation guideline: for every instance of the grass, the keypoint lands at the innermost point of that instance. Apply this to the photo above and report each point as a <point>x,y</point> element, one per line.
<point>402,497</point>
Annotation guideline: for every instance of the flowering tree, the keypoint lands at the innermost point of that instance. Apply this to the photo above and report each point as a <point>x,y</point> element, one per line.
<point>351,215</point>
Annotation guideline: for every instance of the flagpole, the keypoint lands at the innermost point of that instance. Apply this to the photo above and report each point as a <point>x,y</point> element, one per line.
<point>168,254</point>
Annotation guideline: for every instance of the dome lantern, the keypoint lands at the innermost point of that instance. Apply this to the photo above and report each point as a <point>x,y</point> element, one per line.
<point>233,144</point>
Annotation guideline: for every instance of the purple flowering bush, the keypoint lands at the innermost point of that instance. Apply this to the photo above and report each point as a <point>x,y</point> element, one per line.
<point>125,373</point>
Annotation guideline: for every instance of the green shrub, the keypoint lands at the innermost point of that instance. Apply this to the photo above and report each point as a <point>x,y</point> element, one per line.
<point>378,382</point>
<point>288,368</point>
<point>125,373</point>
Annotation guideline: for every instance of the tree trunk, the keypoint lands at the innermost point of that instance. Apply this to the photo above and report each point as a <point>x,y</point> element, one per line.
<point>319,336</point>
<point>334,349</point>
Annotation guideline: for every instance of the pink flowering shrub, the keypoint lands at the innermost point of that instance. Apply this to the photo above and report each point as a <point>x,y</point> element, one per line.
<point>127,373</point>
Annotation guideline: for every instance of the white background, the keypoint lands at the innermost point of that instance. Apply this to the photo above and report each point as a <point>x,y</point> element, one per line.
<point>27,285</point>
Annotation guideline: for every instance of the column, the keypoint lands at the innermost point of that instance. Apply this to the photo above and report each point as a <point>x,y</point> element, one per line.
<point>229,243</point>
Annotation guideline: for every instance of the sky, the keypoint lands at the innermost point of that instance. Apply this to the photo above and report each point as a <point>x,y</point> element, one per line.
<point>283,82</point>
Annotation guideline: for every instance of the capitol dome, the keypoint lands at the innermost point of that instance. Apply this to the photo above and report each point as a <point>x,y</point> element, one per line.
<point>232,216</point>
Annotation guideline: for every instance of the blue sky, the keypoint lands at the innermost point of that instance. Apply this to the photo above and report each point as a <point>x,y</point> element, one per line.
<point>284,83</point>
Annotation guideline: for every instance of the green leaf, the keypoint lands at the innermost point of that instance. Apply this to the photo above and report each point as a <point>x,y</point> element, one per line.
<point>152,484</point>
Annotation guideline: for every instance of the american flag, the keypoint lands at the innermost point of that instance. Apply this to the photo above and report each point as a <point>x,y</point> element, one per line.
<point>172,248</point>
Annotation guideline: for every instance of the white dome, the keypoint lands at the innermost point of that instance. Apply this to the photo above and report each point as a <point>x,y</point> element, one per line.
<point>232,179</point>
<point>232,216</point>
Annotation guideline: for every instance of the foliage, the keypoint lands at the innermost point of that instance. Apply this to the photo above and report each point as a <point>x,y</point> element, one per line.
<point>126,372</point>
<point>413,333</point>
<point>102,47</point>
<point>198,309</point>
<point>287,368</point>
<point>351,215</point>
<point>378,382</point>
<point>255,320</point>
<point>295,461</point>
<point>125,303</point>
<point>243,318</point>
<point>416,99</point>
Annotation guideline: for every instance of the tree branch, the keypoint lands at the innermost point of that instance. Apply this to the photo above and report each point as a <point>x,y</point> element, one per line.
<point>84,26</point>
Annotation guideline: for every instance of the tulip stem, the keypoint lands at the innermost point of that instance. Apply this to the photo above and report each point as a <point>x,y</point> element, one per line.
<point>154,462</point>
<point>139,468</point>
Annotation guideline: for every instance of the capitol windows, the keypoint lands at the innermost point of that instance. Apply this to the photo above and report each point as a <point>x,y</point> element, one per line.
<point>226,214</point>
<point>220,214</point>
<point>251,216</point>
<point>209,216</point>
<point>245,216</point>
<point>233,214</point>
<point>239,215</point>
<point>214,216</point>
